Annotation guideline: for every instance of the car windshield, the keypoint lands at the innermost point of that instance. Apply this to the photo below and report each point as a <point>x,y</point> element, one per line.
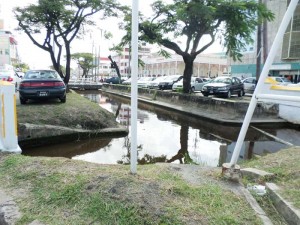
<point>286,80</point>
<point>41,75</point>
<point>221,80</point>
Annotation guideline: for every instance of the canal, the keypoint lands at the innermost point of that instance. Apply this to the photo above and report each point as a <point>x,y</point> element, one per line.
<point>165,136</point>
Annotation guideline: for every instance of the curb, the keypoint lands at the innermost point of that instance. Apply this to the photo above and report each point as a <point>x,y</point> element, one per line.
<point>285,208</point>
<point>255,206</point>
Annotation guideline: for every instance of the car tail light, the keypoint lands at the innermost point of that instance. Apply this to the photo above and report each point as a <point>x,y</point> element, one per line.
<point>42,84</point>
<point>59,84</point>
<point>24,84</point>
<point>9,79</point>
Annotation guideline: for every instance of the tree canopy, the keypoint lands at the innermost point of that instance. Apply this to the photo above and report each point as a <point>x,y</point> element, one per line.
<point>53,24</point>
<point>232,22</point>
<point>85,60</point>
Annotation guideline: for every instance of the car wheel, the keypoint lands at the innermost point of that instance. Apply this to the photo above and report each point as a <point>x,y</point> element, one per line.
<point>63,100</point>
<point>23,101</point>
<point>240,94</point>
<point>192,90</point>
<point>229,94</point>
<point>206,95</point>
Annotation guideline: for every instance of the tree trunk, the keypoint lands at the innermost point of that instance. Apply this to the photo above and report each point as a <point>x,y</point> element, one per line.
<point>68,63</point>
<point>188,72</point>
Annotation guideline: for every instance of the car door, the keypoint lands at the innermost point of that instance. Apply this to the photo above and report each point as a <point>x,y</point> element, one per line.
<point>198,84</point>
<point>236,85</point>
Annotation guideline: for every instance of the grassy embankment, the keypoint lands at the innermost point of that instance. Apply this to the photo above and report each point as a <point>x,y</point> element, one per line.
<point>63,191</point>
<point>76,112</point>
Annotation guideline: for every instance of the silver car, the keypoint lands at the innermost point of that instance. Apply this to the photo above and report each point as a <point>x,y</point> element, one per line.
<point>196,84</point>
<point>249,84</point>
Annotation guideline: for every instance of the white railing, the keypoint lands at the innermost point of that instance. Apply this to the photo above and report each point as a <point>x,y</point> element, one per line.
<point>83,80</point>
<point>8,118</point>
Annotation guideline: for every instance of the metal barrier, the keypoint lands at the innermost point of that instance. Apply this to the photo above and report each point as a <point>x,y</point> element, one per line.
<point>83,80</point>
<point>8,118</point>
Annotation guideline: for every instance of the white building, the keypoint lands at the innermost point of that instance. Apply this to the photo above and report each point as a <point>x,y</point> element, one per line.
<point>205,65</point>
<point>123,59</point>
<point>8,47</point>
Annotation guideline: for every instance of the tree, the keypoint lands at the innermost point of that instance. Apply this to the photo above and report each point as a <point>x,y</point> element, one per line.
<point>85,61</point>
<point>60,22</point>
<point>22,67</point>
<point>230,21</point>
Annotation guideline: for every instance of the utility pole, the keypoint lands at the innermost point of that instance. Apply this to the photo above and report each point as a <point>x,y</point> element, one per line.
<point>265,39</point>
<point>258,49</point>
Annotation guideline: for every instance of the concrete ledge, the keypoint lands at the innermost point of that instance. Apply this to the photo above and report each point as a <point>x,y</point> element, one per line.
<point>221,105</point>
<point>285,208</point>
<point>255,173</point>
<point>255,206</point>
<point>210,114</point>
<point>34,135</point>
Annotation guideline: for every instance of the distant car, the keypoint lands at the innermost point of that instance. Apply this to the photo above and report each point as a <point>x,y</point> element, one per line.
<point>41,85</point>
<point>167,83</point>
<point>127,81</point>
<point>113,80</point>
<point>224,86</point>
<point>282,80</point>
<point>154,84</point>
<point>196,84</point>
<point>10,76</point>
<point>144,82</point>
<point>249,84</point>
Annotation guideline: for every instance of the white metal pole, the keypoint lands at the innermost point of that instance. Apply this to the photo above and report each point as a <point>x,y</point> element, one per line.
<point>134,75</point>
<point>277,41</point>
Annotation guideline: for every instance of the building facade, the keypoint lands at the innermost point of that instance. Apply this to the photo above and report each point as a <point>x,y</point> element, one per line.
<point>8,47</point>
<point>123,60</point>
<point>287,59</point>
<point>205,65</point>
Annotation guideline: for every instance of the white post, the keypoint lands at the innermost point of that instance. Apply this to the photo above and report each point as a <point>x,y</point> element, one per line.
<point>8,118</point>
<point>134,93</point>
<point>277,41</point>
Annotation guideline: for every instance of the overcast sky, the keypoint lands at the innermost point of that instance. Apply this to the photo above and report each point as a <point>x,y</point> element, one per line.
<point>37,58</point>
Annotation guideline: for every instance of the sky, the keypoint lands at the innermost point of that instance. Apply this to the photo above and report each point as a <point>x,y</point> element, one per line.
<point>38,58</point>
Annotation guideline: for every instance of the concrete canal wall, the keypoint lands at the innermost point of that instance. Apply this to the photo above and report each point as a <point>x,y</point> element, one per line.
<point>234,107</point>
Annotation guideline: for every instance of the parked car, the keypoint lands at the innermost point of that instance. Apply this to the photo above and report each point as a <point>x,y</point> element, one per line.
<point>249,84</point>
<point>113,80</point>
<point>154,84</point>
<point>40,85</point>
<point>10,76</point>
<point>196,84</point>
<point>167,83</point>
<point>127,81</point>
<point>282,80</point>
<point>144,82</point>
<point>224,86</point>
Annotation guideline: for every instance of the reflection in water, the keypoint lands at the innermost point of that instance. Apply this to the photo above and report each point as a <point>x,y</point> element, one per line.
<point>183,153</point>
<point>71,149</point>
<point>165,136</point>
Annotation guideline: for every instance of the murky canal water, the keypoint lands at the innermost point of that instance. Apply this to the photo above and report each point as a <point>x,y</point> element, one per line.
<point>169,137</point>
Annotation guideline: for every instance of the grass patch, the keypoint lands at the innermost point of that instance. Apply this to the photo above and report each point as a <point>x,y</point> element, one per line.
<point>77,111</point>
<point>63,191</point>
